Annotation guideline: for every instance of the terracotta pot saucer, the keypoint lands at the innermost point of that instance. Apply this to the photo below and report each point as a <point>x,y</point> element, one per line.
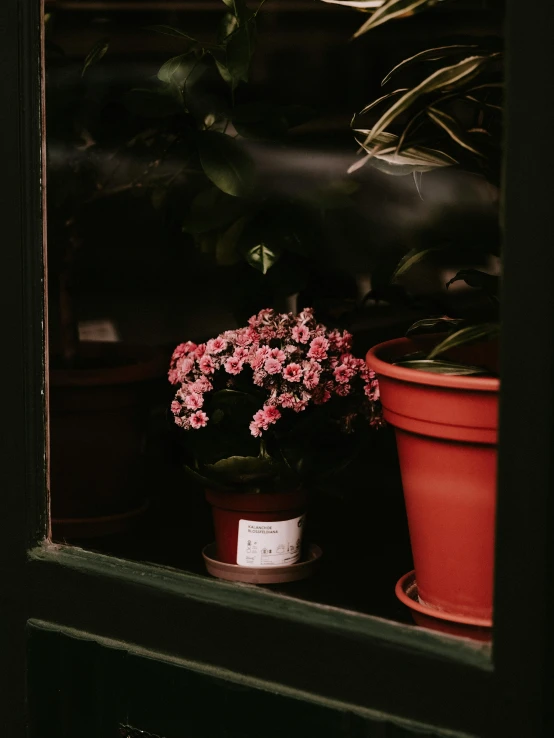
<point>431,617</point>
<point>262,574</point>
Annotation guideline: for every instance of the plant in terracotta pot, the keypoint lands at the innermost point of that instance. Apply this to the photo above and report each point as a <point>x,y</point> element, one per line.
<point>173,154</point>
<point>266,411</point>
<point>441,394</point>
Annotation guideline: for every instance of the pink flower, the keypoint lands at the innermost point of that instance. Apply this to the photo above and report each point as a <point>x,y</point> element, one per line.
<point>182,422</point>
<point>184,366</point>
<point>206,364</point>
<point>182,349</point>
<point>258,377</point>
<point>240,353</point>
<point>244,337</point>
<point>300,334</point>
<point>300,405</point>
<point>216,345</point>
<point>286,399</point>
<point>258,357</point>
<point>255,429</point>
<point>175,407</point>
<point>343,373</point>
<point>276,353</point>
<point>234,365</point>
<point>200,350</point>
<point>318,348</point>
<point>261,420</point>
<point>201,385</point>
<point>292,372</point>
<point>271,413</point>
<point>194,401</point>
<point>198,419</point>
<point>173,376</point>
<point>273,366</point>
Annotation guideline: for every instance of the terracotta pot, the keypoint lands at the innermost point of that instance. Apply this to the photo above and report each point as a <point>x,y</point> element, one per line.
<point>258,530</point>
<point>446,432</point>
<point>97,424</point>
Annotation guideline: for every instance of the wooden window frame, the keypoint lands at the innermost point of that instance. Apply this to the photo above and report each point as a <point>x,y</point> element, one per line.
<point>328,653</point>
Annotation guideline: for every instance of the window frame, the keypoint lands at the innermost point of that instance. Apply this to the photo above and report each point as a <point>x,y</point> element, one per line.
<point>410,673</point>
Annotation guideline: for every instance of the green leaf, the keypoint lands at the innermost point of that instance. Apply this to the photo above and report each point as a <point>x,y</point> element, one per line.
<point>440,52</point>
<point>242,469</point>
<point>383,155</point>
<point>226,252</point>
<point>239,50</point>
<point>171,31</point>
<point>95,54</point>
<point>447,78</point>
<point>466,336</point>
<point>489,283</point>
<point>183,69</point>
<point>394,9</point>
<point>434,325</point>
<point>436,366</point>
<point>380,100</point>
<point>228,24</point>
<point>453,129</point>
<point>262,257</point>
<point>412,258</point>
<point>259,121</point>
<point>226,163</point>
<point>359,4</point>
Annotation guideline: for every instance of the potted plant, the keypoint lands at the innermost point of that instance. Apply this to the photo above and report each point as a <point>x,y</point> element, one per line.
<point>441,396</point>
<point>266,411</point>
<point>179,156</point>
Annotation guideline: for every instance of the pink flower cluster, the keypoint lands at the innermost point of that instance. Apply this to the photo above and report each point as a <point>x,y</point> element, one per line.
<point>292,359</point>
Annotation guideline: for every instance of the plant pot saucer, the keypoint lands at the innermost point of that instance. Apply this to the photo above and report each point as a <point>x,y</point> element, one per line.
<point>262,574</point>
<point>445,622</point>
<point>103,525</point>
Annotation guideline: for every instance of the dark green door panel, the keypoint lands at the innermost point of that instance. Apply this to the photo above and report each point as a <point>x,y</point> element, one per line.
<point>81,688</point>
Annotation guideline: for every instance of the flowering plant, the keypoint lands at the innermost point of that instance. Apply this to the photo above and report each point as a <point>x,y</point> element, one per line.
<point>271,403</point>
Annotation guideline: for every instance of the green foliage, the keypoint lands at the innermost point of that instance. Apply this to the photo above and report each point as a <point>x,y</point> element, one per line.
<point>226,163</point>
<point>98,51</point>
<point>465,336</point>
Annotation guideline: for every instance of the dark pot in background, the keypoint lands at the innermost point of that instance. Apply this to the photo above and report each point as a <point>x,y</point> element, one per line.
<point>98,419</point>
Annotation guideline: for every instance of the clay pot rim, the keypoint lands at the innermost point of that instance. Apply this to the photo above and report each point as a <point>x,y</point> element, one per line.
<point>406,591</point>
<point>375,359</point>
<point>146,362</point>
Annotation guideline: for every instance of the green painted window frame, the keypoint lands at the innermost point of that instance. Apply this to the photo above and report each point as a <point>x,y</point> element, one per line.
<point>370,663</point>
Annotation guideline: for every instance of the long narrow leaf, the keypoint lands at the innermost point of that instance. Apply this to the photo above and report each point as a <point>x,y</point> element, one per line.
<point>380,99</point>
<point>451,126</point>
<point>466,336</point>
<point>95,54</point>
<point>429,55</point>
<point>445,78</point>
<point>412,258</point>
<point>418,158</point>
<point>394,9</point>
<point>359,4</point>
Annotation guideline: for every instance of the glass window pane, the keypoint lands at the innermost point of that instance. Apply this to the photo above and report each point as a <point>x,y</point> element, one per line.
<point>206,163</point>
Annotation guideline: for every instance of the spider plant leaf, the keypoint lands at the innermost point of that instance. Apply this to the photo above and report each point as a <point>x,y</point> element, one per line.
<point>465,336</point>
<point>453,128</point>
<point>440,52</point>
<point>447,78</point>
<point>394,9</point>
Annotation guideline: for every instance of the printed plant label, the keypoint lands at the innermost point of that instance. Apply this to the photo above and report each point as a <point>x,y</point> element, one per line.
<point>276,543</point>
